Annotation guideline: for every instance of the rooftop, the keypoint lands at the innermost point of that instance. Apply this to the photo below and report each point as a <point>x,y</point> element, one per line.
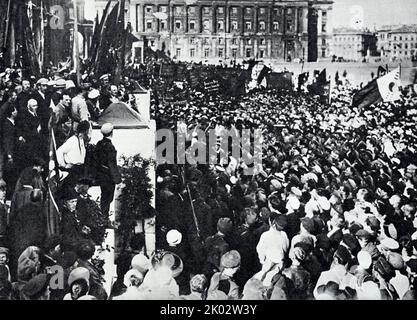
<point>351,31</point>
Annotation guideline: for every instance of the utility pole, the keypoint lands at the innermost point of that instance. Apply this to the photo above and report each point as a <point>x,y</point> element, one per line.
<point>76,47</point>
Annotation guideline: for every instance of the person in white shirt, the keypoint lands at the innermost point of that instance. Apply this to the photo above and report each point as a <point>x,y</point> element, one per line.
<point>274,244</point>
<point>71,155</point>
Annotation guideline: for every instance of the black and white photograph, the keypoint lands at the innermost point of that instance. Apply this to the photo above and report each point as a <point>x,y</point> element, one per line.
<point>224,151</point>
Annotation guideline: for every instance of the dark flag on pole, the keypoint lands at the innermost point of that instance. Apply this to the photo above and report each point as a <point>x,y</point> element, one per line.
<point>53,215</point>
<point>265,70</point>
<point>381,72</point>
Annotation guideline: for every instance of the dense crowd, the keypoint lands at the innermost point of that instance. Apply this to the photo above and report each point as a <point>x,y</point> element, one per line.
<point>330,215</point>
<point>49,223</point>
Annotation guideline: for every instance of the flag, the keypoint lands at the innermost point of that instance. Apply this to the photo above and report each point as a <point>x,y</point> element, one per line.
<point>322,78</point>
<point>389,84</point>
<point>52,210</point>
<point>302,78</point>
<point>378,90</point>
<point>381,72</point>
<point>265,70</point>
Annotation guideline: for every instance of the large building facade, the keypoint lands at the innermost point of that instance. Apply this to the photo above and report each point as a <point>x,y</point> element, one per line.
<point>353,44</point>
<point>398,42</point>
<point>220,30</point>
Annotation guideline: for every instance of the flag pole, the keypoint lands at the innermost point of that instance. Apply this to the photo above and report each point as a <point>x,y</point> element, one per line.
<point>76,48</point>
<point>6,31</point>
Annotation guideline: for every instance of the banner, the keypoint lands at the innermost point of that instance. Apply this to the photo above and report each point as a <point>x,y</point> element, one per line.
<point>279,80</point>
<point>211,86</point>
<point>168,70</point>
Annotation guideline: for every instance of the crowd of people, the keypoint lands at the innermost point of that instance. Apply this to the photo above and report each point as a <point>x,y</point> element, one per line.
<point>330,214</point>
<point>48,219</point>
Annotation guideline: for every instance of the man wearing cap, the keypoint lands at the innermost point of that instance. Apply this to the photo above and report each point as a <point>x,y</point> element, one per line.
<point>44,101</point>
<point>108,174</point>
<point>60,120</point>
<point>24,96</point>
<point>93,104</point>
<point>230,264</point>
<point>79,108</point>
<point>216,245</point>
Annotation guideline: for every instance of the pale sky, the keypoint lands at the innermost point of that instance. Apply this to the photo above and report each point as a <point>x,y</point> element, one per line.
<point>374,12</point>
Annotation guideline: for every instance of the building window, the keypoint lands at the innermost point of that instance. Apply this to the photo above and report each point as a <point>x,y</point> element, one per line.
<point>163,8</point>
<point>406,52</point>
<point>220,10</point>
<point>192,40</point>
<point>406,46</point>
<point>234,53</point>
<point>149,9</point>
<point>220,25</point>
<point>234,10</point>
<point>249,41</point>
<point>323,42</point>
<point>261,53</point>
<point>323,27</point>
<point>324,14</point>
<point>206,41</point>
<point>262,11</point>
<point>221,41</point>
<point>289,11</point>
<point>163,25</point>
<point>262,26</point>
<point>221,53</point>
<point>178,24</point>
<point>248,53</point>
<point>206,10</point>
<point>206,52</point>
<point>262,41</point>
<point>152,43</point>
<point>192,53</point>
<point>149,24</point>
<point>248,25</point>
<point>192,25</point>
<point>323,53</point>
<point>395,38</point>
<point>206,24</point>
<point>178,10</point>
<point>276,26</point>
<point>234,25</point>
<point>234,41</point>
<point>290,26</point>
<point>401,38</point>
<point>276,12</point>
<point>191,10</point>
<point>248,10</point>
<point>178,52</point>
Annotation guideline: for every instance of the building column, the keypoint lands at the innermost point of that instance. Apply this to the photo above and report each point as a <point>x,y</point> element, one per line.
<point>256,19</point>
<point>296,20</point>
<point>305,20</point>
<point>171,18</point>
<point>214,19</point>
<point>200,18</point>
<point>255,47</point>
<point>227,12</point>
<point>186,19</point>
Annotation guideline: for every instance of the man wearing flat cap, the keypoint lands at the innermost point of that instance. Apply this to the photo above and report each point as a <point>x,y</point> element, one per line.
<point>108,174</point>
<point>44,100</point>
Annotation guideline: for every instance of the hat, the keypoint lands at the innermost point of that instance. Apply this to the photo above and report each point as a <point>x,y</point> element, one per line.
<point>69,84</point>
<point>131,276</point>
<point>224,225</point>
<point>276,184</point>
<point>324,203</point>
<point>106,129</point>
<point>230,259</point>
<point>280,222</point>
<point>363,234</point>
<point>364,259</point>
<point>308,224</point>
<point>198,283</point>
<point>174,237</point>
<point>104,77</point>
<point>299,254</point>
<point>167,259</point>
<point>87,297</point>
<point>296,191</point>
<point>78,274</point>
<point>93,94</point>
<point>280,176</point>
<point>85,181</point>
<point>395,260</point>
<point>141,263</point>
<point>60,83</point>
<point>69,194</point>
<point>383,268</point>
<point>4,250</point>
<point>336,171</point>
<point>343,255</point>
<point>42,81</point>
<point>390,244</point>
<point>36,286</point>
